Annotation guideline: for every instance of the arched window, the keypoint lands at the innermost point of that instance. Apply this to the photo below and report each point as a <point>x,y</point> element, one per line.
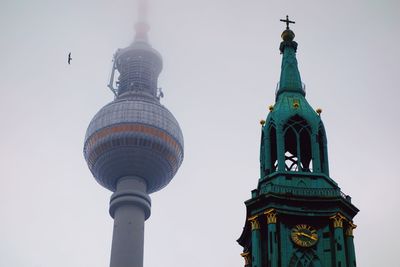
<point>263,169</point>
<point>321,138</point>
<point>305,149</point>
<point>298,152</point>
<point>291,150</point>
<point>273,148</point>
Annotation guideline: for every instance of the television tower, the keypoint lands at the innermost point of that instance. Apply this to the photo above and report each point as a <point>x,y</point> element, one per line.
<point>133,145</point>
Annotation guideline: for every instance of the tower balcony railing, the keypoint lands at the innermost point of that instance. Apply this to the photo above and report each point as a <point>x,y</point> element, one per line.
<point>305,191</point>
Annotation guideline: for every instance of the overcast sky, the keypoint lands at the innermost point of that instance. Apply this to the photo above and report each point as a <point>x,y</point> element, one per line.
<point>221,66</point>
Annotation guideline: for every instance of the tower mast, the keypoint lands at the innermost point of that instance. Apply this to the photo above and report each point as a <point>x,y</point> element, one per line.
<point>142,27</point>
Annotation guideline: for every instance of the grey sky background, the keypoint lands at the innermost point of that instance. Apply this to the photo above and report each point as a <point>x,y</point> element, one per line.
<point>221,66</point>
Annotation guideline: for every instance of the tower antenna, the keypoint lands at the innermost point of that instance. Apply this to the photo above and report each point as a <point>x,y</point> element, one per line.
<point>141,26</point>
<point>143,10</point>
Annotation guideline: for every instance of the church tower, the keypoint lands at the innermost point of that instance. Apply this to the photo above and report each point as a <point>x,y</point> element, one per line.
<point>297,216</point>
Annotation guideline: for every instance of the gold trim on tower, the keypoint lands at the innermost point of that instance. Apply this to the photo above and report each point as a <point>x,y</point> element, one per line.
<point>338,220</point>
<point>271,216</point>
<point>247,258</point>
<point>255,225</point>
<point>350,228</point>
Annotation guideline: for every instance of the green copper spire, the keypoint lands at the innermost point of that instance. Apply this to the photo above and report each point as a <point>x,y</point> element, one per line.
<point>290,80</point>
<point>293,135</point>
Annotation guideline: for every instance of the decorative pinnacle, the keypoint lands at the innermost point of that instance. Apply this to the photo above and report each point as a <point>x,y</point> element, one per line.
<point>141,27</point>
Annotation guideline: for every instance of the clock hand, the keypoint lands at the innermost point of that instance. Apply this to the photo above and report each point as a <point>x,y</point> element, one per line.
<point>306,235</point>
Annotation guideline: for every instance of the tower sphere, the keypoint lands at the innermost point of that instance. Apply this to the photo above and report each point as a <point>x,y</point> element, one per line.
<point>288,35</point>
<point>134,135</point>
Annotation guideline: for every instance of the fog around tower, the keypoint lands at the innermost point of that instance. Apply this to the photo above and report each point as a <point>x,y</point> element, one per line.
<point>221,66</point>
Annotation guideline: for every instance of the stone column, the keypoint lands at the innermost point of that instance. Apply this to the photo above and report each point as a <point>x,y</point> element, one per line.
<point>255,242</point>
<point>351,254</point>
<point>339,246</point>
<point>272,238</point>
<point>130,207</point>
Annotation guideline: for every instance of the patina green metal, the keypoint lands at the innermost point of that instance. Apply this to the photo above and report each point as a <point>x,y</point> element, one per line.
<point>290,80</point>
<point>339,243</point>
<point>256,243</point>
<point>294,182</point>
<point>351,251</point>
<point>273,252</point>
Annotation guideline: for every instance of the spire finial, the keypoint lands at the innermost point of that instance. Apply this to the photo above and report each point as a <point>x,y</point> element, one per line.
<point>288,34</point>
<point>142,27</point>
<point>290,80</point>
<point>287,21</point>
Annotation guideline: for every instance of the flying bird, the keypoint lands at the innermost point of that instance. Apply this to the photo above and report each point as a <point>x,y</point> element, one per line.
<point>69,58</point>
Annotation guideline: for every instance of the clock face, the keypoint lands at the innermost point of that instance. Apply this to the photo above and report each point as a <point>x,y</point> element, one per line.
<point>304,235</point>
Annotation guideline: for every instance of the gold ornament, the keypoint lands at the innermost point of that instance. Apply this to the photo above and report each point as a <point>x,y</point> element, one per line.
<point>338,220</point>
<point>350,228</point>
<point>255,225</point>
<point>247,258</point>
<point>271,216</point>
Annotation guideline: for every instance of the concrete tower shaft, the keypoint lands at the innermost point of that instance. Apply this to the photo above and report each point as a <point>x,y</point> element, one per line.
<point>130,207</point>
